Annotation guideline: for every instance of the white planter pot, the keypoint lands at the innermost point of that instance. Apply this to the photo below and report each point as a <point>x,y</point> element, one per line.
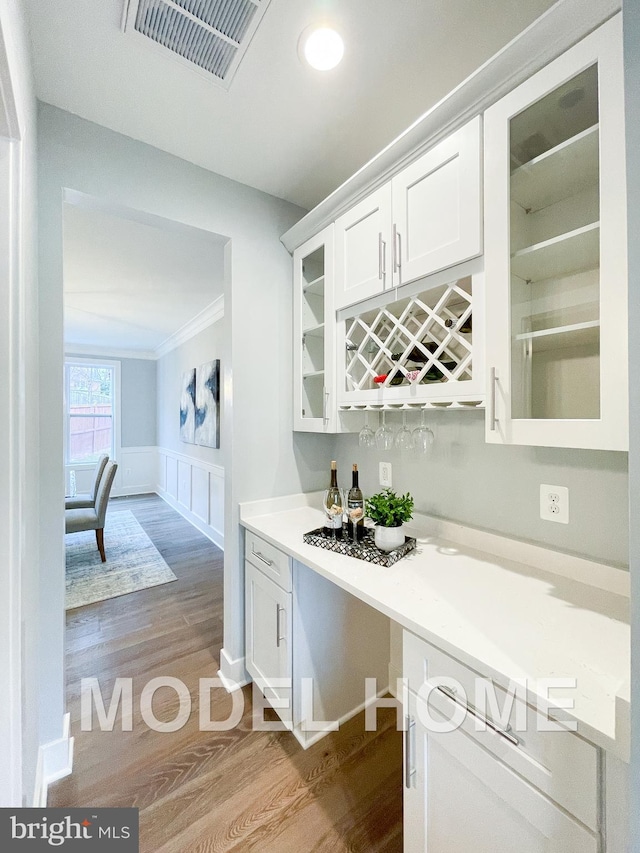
<point>388,538</point>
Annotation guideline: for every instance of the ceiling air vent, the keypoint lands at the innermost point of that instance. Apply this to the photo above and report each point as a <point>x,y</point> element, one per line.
<point>211,36</point>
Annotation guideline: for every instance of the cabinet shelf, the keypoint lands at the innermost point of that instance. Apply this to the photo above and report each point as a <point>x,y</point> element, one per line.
<point>316,286</point>
<point>568,253</point>
<point>566,170</point>
<point>561,337</point>
<point>314,331</point>
<point>313,374</point>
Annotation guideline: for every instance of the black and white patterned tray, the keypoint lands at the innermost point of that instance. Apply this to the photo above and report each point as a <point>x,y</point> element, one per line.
<point>365,550</point>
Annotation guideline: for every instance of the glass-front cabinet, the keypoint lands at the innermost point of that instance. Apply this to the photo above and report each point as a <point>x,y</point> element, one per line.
<point>555,246</point>
<point>314,335</point>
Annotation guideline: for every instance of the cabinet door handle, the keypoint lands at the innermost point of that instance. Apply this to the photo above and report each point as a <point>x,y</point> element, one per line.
<point>397,259</point>
<point>382,256</point>
<point>507,734</point>
<point>261,556</point>
<point>493,381</point>
<point>409,770</point>
<point>325,403</point>
<point>279,639</point>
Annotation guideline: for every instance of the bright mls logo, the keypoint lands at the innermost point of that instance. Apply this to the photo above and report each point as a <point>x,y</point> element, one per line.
<point>74,829</point>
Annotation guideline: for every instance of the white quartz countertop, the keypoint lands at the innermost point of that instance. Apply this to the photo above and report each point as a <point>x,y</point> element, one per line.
<point>503,617</point>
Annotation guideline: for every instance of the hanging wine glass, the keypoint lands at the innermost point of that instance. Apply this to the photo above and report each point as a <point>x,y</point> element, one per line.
<point>422,435</point>
<point>384,434</point>
<point>366,436</point>
<point>404,438</point>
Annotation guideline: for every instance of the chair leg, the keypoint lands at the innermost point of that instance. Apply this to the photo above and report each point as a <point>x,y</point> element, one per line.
<point>100,541</point>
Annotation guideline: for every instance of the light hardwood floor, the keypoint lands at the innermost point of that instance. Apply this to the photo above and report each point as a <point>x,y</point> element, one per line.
<point>214,792</point>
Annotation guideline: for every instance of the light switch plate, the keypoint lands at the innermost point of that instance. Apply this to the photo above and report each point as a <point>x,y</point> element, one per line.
<point>554,503</point>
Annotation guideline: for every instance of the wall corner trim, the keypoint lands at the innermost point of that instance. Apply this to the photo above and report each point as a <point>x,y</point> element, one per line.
<point>232,672</point>
<point>55,761</point>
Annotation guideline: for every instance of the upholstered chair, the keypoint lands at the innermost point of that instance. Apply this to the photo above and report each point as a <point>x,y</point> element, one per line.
<point>93,518</point>
<point>88,499</point>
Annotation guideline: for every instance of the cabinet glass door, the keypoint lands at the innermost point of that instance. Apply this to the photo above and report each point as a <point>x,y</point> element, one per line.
<point>554,192</point>
<point>556,253</point>
<point>314,335</point>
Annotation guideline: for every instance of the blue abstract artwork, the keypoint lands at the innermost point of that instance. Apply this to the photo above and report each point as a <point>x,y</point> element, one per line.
<point>207,414</point>
<point>188,406</point>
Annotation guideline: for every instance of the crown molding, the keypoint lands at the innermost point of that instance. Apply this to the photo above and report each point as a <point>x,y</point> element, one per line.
<point>552,34</point>
<point>107,352</point>
<point>210,315</point>
<point>207,317</point>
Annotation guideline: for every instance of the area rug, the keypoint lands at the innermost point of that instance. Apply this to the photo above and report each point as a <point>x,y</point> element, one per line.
<point>133,562</point>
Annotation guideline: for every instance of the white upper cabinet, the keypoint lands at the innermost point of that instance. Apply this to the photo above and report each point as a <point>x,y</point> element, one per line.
<point>363,246</point>
<point>437,206</point>
<point>555,253</point>
<point>426,219</point>
<point>314,324</point>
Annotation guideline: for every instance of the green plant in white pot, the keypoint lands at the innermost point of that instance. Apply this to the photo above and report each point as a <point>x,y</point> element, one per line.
<point>389,511</point>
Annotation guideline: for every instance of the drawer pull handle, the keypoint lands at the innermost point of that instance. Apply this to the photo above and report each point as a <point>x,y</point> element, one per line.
<point>279,639</point>
<point>261,556</point>
<point>409,768</point>
<point>507,734</point>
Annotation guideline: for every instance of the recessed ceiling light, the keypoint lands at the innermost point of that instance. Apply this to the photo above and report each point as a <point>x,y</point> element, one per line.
<point>322,47</point>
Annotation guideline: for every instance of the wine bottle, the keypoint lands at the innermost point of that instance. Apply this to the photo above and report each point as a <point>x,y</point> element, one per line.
<point>416,355</point>
<point>333,506</point>
<point>398,377</point>
<point>355,509</point>
<point>466,326</point>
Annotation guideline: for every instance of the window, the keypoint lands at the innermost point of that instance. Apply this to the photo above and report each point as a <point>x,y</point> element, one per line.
<point>90,394</point>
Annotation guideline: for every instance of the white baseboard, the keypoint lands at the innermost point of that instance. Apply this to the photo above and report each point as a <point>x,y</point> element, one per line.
<point>55,761</point>
<point>232,673</point>
<point>213,535</point>
<point>306,739</point>
<point>130,491</point>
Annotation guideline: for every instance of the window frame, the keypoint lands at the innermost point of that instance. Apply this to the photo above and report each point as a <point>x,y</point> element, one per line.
<point>116,442</point>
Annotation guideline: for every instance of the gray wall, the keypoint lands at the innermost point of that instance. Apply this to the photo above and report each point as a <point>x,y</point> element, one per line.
<point>205,346</point>
<point>631,20</point>
<point>497,488</point>
<point>138,394</point>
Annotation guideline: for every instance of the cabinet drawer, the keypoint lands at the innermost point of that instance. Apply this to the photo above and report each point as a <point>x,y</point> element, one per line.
<point>274,563</point>
<point>559,763</point>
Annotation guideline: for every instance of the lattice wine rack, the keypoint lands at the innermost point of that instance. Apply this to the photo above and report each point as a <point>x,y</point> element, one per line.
<point>426,348</point>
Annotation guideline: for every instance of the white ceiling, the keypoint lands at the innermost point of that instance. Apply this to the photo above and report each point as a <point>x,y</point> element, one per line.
<point>283,128</point>
<point>131,285</point>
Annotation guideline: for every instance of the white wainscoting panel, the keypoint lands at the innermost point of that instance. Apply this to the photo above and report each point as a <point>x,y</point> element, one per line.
<point>137,471</point>
<point>184,483</point>
<point>195,489</point>
<point>216,503</point>
<point>171,464</point>
<point>200,493</point>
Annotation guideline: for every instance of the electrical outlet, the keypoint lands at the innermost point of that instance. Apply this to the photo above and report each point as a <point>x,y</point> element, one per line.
<point>554,503</point>
<point>385,474</point>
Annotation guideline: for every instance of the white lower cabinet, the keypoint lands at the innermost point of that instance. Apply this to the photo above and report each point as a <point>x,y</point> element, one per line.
<point>309,644</point>
<point>488,788</point>
<point>268,637</point>
<point>459,798</point>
